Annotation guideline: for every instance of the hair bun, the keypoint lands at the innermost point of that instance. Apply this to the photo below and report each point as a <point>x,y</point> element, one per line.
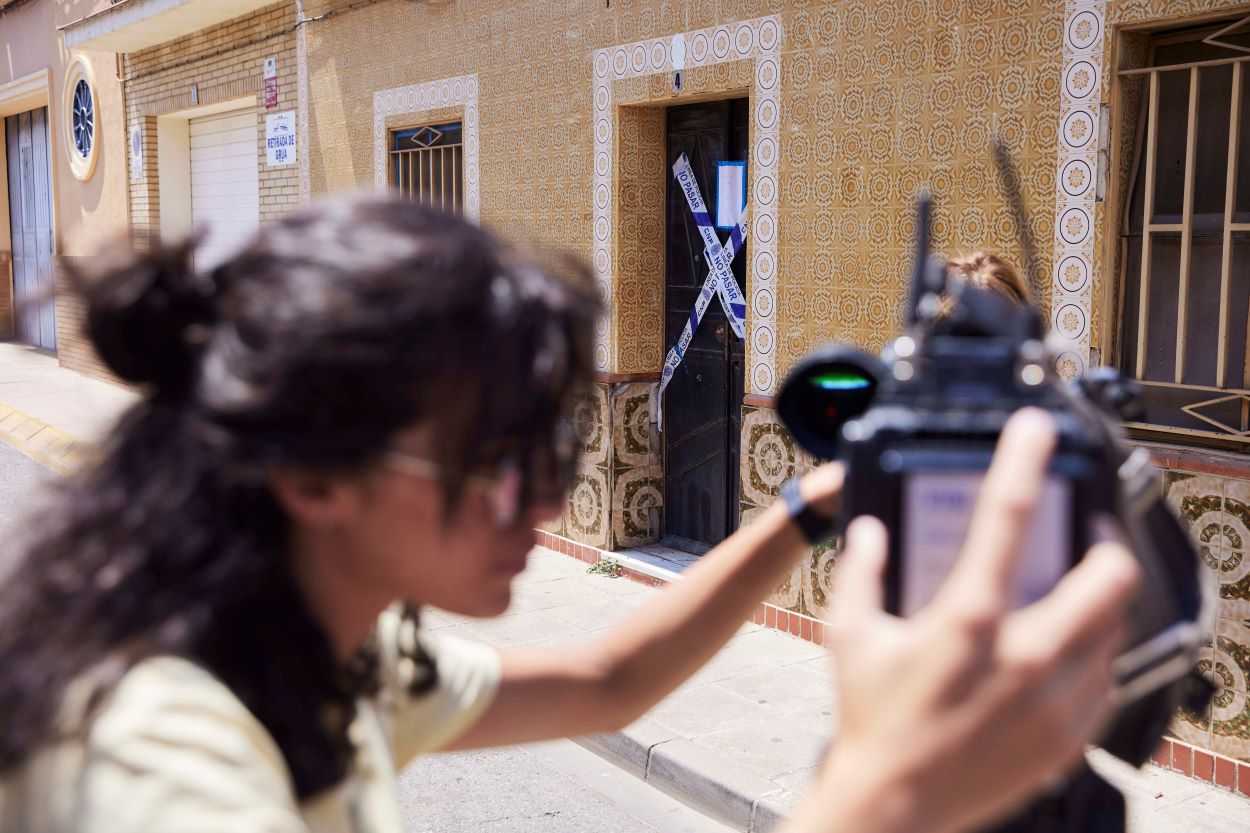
<point>147,312</point>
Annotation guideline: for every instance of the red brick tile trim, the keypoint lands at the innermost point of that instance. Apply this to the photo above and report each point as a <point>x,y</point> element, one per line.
<point>1203,765</point>
<point>808,628</point>
<point>1197,462</point>
<point>756,400</point>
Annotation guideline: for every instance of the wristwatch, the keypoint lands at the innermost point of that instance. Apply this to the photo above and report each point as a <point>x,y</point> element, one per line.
<point>816,528</point>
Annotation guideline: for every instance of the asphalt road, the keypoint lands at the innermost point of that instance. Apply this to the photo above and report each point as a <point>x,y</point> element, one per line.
<point>22,481</point>
<point>555,787</point>
<point>551,787</point>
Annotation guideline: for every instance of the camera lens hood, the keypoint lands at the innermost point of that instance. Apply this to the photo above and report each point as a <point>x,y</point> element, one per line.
<point>826,389</point>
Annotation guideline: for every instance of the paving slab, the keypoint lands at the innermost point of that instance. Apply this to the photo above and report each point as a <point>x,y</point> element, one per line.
<point>33,381</point>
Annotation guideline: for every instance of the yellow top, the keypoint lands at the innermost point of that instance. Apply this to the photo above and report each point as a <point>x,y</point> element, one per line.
<point>172,750</point>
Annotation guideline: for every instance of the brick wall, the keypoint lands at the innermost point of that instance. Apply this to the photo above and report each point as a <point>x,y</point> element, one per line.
<point>145,195</point>
<point>223,62</point>
<point>6,296</point>
<point>72,346</point>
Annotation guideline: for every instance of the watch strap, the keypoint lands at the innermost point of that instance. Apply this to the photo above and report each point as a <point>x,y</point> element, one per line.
<point>816,529</point>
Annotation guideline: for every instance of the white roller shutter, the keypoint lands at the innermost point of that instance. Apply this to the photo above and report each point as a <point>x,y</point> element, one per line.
<point>225,183</point>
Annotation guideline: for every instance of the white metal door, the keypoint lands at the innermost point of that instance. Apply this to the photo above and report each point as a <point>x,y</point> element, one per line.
<point>30,223</point>
<point>225,183</point>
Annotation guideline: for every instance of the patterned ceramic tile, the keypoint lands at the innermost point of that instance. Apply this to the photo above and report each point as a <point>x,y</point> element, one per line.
<point>590,420</point>
<point>1230,669</point>
<point>637,506</point>
<point>586,518</point>
<point>768,456</point>
<point>1216,513</point>
<point>1196,728</point>
<point>636,441</point>
<point>1234,541</point>
<point>555,526</point>
<point>817,578</point>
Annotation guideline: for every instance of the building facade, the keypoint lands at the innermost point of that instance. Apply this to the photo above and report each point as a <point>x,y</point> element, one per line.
<point>63,177</point>
<point>211,92</point>
<point>569,117</point>
<point>805,128</point>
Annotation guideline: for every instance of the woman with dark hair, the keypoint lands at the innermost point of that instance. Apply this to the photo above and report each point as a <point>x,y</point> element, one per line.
<point>365,412</point>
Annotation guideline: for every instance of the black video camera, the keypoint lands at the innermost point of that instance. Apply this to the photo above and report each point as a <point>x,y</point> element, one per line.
<point>916,431</point>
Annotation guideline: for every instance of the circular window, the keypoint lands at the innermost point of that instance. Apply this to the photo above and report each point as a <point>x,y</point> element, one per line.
<point>84,119</point>
<point>80,119</point>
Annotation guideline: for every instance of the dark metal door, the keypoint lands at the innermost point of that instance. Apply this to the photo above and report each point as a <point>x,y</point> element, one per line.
<point>30,219</point>
<point>703,402</point>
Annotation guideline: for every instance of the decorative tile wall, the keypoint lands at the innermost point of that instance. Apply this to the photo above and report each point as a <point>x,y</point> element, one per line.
<point>1217,510</point>
<point>855,105</point>
<point>759,42</point>
<point>769,458</point>
<point>617,501</point>
<point>1076,186</point>
<point>880,99</point>
<point>417,102</point>
<point>586,519</point>
<point>635,321</point>
<point>637,474</point>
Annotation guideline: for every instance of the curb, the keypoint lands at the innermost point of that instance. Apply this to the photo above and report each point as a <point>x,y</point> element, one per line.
<point>46,444</point>
<point>695,776</point>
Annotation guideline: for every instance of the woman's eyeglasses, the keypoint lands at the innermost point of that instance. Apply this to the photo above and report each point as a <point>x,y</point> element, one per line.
<point>505,491</point>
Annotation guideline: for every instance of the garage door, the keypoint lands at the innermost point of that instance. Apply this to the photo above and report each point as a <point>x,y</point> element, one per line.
<point>30,218</point>
<point>225,193</point>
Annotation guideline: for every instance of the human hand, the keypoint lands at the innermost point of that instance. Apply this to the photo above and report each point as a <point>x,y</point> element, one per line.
<point>958,715</point>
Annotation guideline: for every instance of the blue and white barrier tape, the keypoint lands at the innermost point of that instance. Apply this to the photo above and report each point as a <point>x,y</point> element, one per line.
<point>718,258</point>
<point>710,284</point>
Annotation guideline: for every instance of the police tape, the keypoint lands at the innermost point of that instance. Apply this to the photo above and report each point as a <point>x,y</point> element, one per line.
<point>674,359</point>
<point>718,259</point>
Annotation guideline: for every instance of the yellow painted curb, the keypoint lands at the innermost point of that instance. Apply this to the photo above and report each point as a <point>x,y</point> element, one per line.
<point>46,444</point>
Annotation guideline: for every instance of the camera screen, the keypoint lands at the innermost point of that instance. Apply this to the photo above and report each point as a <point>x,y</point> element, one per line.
<point>937,509</point>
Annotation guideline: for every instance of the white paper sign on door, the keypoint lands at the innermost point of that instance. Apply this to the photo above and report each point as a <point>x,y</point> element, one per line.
<point>731,193</point>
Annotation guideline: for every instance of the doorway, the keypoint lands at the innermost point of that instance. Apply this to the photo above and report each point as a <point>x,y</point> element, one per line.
<point>30,219</point>
<point>225,183</point>
<point>703,402</point>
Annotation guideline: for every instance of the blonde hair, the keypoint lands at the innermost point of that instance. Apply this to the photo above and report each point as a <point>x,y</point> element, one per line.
<point>987,271</point>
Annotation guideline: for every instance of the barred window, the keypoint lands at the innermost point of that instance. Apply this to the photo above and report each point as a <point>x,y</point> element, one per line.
<point>1185,239</point>
<point>427,165</point>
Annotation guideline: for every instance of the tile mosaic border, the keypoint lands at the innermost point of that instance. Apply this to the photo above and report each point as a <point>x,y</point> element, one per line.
<point>458,91</point>
<point>758,38</point>
<point>1084,32</point>
<point>301,61</point>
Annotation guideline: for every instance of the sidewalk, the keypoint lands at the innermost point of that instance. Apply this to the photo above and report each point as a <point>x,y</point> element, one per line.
<point>739,741</point>
<point>50,414</point>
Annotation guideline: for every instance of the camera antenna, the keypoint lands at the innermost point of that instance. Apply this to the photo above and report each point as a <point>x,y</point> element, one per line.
<point>1013,194</point>
<point>928,280</point>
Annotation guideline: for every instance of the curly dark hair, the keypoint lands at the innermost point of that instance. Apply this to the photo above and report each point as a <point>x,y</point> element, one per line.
<point>337,327</point>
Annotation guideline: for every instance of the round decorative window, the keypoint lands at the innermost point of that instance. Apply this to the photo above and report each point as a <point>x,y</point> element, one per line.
<point>80,119</point>
<point>84,119</point>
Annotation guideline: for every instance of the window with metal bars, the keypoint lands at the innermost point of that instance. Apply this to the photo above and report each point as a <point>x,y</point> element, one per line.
<point>1185,239</point>
<point>427,165</point>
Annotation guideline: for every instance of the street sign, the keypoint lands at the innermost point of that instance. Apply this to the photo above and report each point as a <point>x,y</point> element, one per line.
<point>280,144</point>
